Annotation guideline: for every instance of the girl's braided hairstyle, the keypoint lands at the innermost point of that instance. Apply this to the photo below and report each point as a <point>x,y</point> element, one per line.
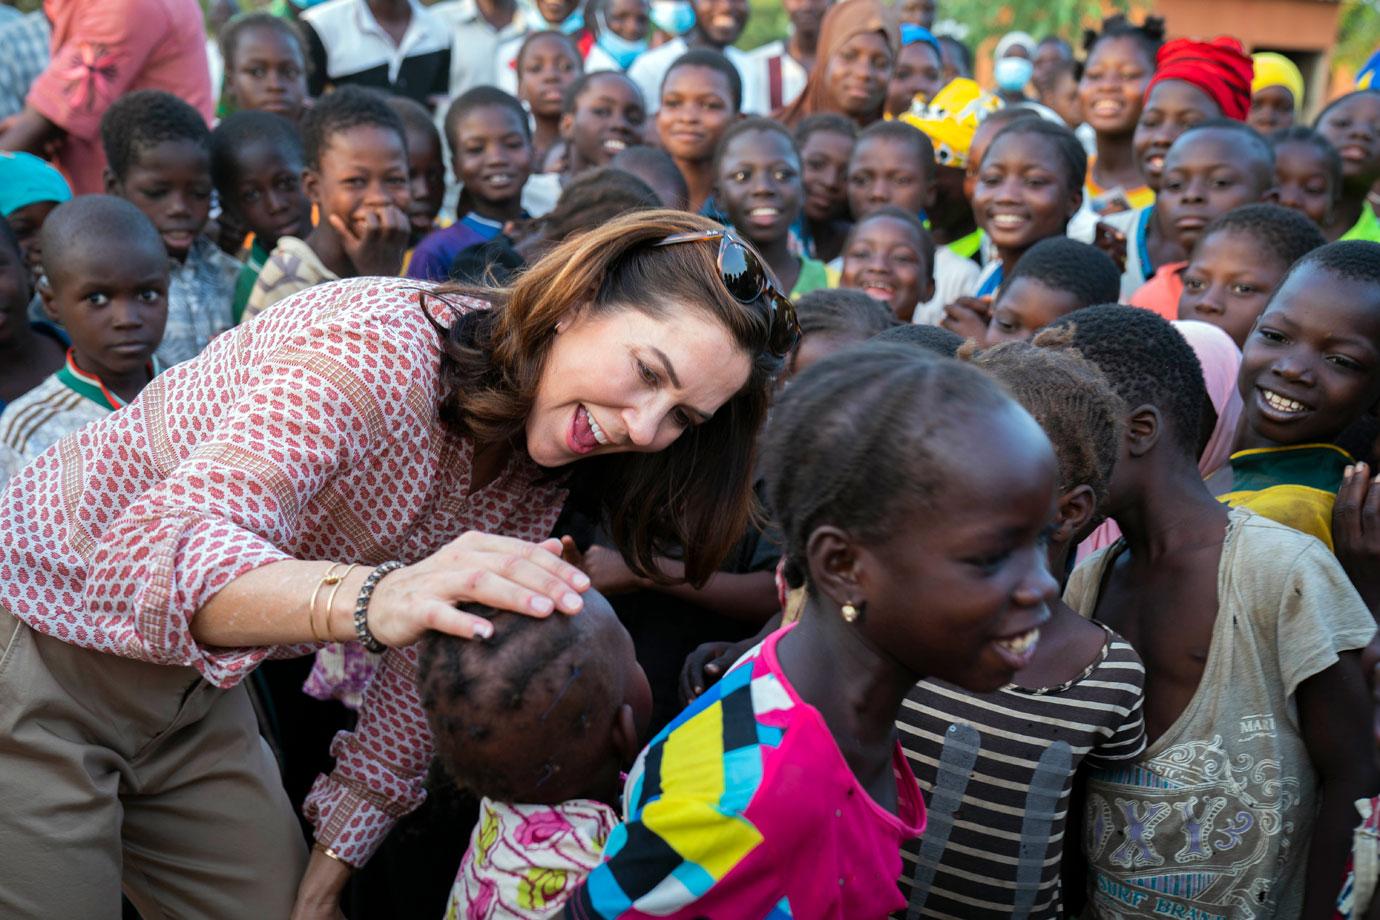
<point>860,441</point>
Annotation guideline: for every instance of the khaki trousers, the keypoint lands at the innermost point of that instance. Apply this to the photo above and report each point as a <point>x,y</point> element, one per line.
<point>117,773</point>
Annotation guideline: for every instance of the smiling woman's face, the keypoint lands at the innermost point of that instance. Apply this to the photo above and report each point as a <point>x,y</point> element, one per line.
<point>623,380</point>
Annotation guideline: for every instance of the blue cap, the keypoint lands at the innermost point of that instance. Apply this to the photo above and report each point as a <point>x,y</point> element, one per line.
<point>26,180</point>
<point>910,34</point>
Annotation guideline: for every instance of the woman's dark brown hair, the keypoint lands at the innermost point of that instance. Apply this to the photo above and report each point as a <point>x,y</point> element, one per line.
<point>695,496</point>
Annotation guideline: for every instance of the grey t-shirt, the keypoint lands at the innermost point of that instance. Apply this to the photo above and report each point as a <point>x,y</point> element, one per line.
<point>1214,819</point>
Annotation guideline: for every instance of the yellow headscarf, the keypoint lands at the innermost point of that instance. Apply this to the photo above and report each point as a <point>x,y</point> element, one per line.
<point>952,118</point>
<point>1277,70</point>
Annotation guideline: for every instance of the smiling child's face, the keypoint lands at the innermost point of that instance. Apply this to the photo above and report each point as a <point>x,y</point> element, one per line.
<point>758,186</point>
<point>1311,365</point>
<point>983,574</point>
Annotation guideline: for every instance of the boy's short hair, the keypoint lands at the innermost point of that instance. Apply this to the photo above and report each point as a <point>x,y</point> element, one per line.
<point>1300,134</point>
<point>905,133</point>
<point>240,129</point>
<point>712,60</point>
<point>926,241</point>
<point>1072,157</point>
<point>753,124</point>
<point>92,220</point>
<point>144,119</point>
<point>645,160</point>
<point>1062,264</point>
<point>1070,398</point>
<point>1350,260</point>
<point>1281,232</point>
<point>570,96</point>
<point>511,714</point>
<point>829,122</point>
<point>1247,136</point>
<point>342,109</point>
<point>1147,362</point>
<point>482,97</point>
<point>842,311</point>
<point>936,339</point>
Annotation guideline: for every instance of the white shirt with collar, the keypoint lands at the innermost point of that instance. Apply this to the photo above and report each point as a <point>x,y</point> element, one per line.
<point>650,69</point>
<point>474,61</point>
<point>359,50</point>
<point>793,77</point>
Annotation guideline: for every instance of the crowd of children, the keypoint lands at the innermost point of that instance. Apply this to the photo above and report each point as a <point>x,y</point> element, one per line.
<point>1062,600</point>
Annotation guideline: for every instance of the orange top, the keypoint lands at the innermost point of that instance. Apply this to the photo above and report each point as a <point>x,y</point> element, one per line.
<point>1161,293</point>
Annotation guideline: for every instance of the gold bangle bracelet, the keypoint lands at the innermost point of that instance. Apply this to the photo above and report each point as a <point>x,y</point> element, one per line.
<point>335,589</point>
<point>331,854</point>
<point>330,578</point>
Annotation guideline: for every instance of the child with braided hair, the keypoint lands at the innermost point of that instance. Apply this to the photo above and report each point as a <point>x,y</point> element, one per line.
<point>537,720</point>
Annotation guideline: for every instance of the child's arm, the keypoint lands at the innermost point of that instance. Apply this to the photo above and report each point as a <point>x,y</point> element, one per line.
<point>1334,718</point>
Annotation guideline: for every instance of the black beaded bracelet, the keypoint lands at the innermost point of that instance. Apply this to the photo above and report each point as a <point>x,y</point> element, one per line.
<point>366,591</point>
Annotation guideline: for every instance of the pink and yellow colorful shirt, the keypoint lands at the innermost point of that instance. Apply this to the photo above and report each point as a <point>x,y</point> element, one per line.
<point>745,807</point>
<point>525,861</point>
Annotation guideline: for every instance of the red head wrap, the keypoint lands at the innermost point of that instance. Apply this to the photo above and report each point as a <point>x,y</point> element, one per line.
<point>1219,68</point>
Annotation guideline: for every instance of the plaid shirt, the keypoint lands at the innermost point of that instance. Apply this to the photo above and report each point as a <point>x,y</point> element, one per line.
<point>309,433</point>
<point>201,301</point>
<point>25,41</point>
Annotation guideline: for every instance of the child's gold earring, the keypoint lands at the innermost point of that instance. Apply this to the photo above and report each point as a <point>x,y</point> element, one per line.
<point>850,613</point>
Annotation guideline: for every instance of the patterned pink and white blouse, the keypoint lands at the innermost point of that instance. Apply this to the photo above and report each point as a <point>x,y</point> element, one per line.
<point>310,433</point>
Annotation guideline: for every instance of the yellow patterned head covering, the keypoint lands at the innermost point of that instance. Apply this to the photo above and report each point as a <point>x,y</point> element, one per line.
<point>951,119</point>
<point>1277,70</point>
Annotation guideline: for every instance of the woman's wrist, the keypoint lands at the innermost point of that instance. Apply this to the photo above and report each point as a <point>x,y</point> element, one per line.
<point>325,878</point>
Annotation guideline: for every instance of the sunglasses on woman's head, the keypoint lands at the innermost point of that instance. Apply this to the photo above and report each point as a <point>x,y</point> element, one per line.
<point>748,280</point>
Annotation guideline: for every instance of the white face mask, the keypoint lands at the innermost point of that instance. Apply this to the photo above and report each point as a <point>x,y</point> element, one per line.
<point>674,17</point>
<point>1013,73</point>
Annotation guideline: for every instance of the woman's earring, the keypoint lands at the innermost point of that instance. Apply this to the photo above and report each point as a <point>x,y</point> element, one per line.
<point>850,613</point>
<point>560,327</point>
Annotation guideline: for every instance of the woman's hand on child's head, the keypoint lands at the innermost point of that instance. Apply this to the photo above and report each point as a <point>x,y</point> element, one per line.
<point>968,316</point>
<point>477,568</point>
<point>1356,531</point>
<point>378,246</point>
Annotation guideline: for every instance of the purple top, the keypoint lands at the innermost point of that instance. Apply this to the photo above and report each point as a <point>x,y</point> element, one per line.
<point>433,256</point>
